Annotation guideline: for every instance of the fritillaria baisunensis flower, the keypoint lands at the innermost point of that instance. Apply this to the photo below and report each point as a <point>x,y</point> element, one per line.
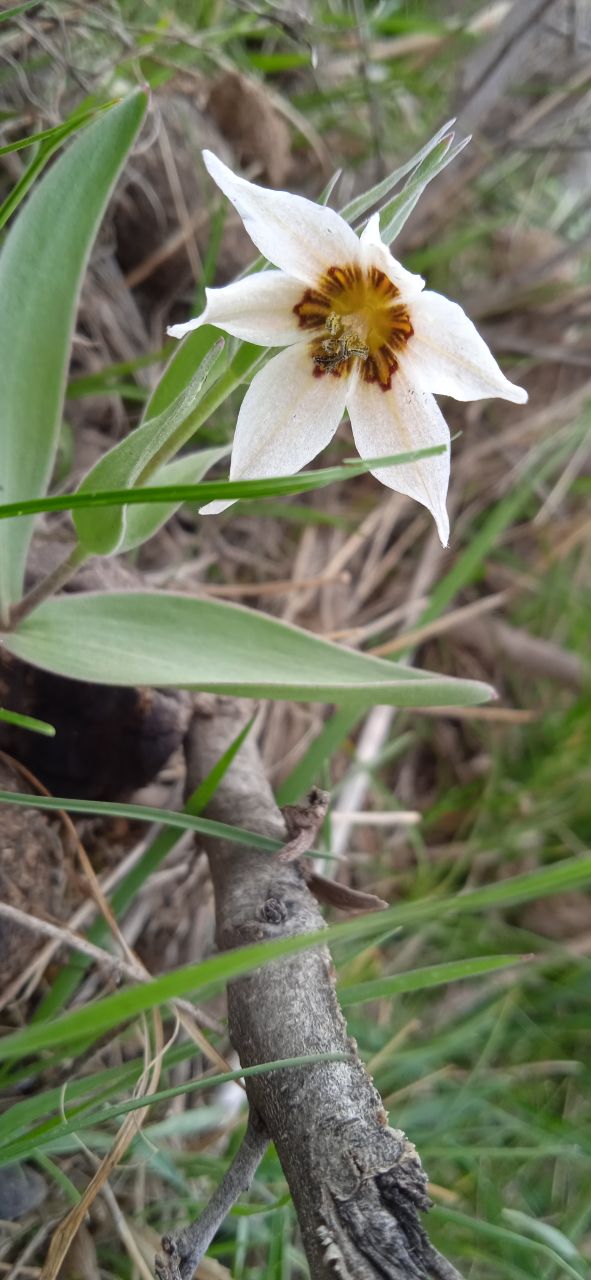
<point>360,333</point>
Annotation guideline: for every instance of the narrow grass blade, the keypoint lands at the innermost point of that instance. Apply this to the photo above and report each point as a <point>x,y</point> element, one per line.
<point>217,970</point>
<point>208,490</point>
<point>27,722</point>
<point>434,975</point>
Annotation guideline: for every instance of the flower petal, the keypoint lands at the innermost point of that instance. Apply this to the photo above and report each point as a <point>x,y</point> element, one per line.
<point>447,355</point>
<point>258,309</point>
<point>396,421</point>
<point>287,416</point>
<point>377,254</point>
<point>300,237</point>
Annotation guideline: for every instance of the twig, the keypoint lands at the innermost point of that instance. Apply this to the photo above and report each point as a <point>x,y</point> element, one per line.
<point>69,939</point>
<point>184,1251</point>
<point>358,1186</point>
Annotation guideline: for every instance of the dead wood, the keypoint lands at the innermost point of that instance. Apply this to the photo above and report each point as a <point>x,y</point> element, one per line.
<point>358,1185</point>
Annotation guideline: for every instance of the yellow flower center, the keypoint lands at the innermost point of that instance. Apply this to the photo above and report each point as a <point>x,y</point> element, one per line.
<point>355,315</point>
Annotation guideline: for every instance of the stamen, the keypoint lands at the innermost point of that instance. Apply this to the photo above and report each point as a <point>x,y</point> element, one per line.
<point>355,315</point>
<point>343,343</point>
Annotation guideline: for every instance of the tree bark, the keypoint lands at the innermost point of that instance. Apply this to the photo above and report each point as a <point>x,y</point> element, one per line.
<point>357,1185</point>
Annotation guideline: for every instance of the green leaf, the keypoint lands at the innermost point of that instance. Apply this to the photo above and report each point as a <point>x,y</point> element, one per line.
<point>128,638</point>
<point>186,357</point>
<point>41,269</point>
<point>361,204</point>
<point>545,1232</point>
<point>433,975</point>
<point>396,213</point>
<point>132,462</point>
<point>142,522</point>
<point>184,820</point>
<point>59,132</point>
<point>15,9</point>
<point>303,482</point>
<point>27,722</point>
<point>46,150</point>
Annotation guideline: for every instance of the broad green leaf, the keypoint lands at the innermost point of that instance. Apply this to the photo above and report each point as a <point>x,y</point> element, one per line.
<point>41,270</point>
<point>135,459</point>
<point>165,639</point>
<point>186,357</point>
<point>207,976</point>
<point>142,522</point>
<point>240,365</point>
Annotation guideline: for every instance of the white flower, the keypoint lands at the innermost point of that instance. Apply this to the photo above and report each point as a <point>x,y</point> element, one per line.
<point>360,333</point>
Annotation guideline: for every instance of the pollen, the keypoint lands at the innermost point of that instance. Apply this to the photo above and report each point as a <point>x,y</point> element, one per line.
<point>355,315</point>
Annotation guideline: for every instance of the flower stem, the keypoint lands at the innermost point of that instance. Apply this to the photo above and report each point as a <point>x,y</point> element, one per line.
<point>47,587</point>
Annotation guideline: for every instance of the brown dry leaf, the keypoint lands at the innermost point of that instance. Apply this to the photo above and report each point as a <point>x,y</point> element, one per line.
<point>245,116</point>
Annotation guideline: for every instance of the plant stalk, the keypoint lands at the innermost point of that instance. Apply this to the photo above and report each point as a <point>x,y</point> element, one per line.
<point>46,587</point>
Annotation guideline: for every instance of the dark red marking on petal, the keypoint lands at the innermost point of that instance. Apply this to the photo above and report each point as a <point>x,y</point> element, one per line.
<point>312,309</point>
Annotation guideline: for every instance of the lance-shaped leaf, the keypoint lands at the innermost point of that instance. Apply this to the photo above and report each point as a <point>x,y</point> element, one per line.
<point>135,460</point>
<point>398,210</point>
<point>41,269</point>
<point>164,639</point>
<point>369,199</point>
<point>143,521</point>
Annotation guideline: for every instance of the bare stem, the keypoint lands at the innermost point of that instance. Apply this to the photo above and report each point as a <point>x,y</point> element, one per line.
<point>185,1250</point>
<point>47,587</point>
